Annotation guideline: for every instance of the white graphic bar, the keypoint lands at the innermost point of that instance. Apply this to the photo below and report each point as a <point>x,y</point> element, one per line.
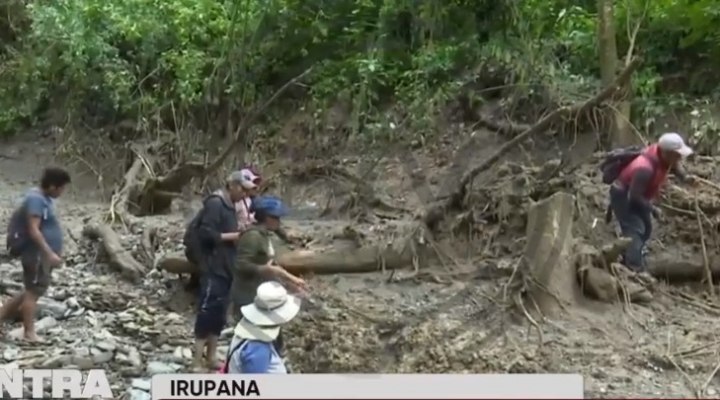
<point>367,386</point>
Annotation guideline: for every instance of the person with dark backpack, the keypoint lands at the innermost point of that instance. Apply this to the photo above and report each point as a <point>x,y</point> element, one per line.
<point>636,176</point>
<point>35,236</point>
<point>216,251</point>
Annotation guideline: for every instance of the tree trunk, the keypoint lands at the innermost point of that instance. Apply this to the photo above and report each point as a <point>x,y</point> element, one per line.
<point>607,45</point>
<point>550,265</point>
<point>621,133</point>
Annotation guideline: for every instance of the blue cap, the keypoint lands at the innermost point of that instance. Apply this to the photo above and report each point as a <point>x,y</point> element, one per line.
<point>269,205</point>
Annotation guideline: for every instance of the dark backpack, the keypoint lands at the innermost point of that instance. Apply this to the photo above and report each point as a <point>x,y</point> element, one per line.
<point>17,238</point>
<point>616,160</point>
<point>191,239</point>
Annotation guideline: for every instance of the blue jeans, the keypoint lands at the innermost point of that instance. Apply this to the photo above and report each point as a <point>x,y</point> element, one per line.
<point>635,224</point>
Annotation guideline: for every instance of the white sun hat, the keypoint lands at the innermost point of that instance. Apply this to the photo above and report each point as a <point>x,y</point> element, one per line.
<point>272,307</point>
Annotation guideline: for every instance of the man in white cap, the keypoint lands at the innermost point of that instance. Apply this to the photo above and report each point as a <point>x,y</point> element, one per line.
<point>638,184</point>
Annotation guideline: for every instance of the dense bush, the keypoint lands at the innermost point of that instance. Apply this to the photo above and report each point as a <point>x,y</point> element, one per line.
<point>102,62</point>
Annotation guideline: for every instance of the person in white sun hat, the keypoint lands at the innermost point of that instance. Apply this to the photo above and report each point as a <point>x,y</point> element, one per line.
<point>252,350</point>
<point>637,184</point>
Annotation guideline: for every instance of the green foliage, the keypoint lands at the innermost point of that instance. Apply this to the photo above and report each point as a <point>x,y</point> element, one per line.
<point>104,61</point>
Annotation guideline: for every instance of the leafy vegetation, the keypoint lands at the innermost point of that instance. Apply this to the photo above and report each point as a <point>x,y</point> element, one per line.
<point>156,62</point>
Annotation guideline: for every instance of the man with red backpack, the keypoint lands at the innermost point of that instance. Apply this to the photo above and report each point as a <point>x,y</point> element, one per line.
<point>636,176</point>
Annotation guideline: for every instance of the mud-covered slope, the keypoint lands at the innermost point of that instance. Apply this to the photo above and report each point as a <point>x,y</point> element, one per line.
<point>449,317</point>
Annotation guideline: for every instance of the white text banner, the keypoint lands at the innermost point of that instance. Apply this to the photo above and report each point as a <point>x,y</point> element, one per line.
<point>367,386</point>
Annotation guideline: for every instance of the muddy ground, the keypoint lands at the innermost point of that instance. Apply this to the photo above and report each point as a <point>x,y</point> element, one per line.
<point>446,318</point>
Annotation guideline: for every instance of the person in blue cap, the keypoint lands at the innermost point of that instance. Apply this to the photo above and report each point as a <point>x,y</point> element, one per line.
<point>257,248</point>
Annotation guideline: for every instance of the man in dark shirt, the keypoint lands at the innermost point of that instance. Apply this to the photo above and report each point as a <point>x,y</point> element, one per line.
<point>631,195</point>
<point>39,241</point>
<point>218,233</point>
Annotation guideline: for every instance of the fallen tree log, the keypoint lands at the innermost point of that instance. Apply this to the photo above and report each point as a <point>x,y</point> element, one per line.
<point>176,263</point>
<point>405,252</point>
<point>118,258</point>
<point>437,211</point>
<point>682,270</point>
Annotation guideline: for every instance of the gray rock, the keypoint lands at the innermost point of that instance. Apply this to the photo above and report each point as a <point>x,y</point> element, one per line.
<point>57,361</point>
<point>103,358</point>
<point>83,362</point>
<point>51,308</point>
<point>135,394</point>
<point>11,353</point>
<point>157,367</point>
<point>134,357</point>
<point>40,326</point>
<point>142,384</point>
<point>106,345</point>
<point>82,352</point>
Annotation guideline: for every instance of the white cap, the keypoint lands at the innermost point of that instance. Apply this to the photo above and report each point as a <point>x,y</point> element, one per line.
<point>245,177</point>
<point>675,143</point>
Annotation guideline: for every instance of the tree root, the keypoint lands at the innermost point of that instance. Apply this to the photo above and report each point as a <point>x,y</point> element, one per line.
<point>555,272</point>
<point>148,245</point>
<point>119,211</point>
<point>437,212</point>
<point>119,259</point>
<point>156,193</point>
<point>362,195</point>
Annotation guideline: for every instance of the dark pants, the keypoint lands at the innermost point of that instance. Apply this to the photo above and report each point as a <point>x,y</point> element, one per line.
<point>213,305</point>
<point>635,224</point>
<point>37,275</point>
<point>193,257</point>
